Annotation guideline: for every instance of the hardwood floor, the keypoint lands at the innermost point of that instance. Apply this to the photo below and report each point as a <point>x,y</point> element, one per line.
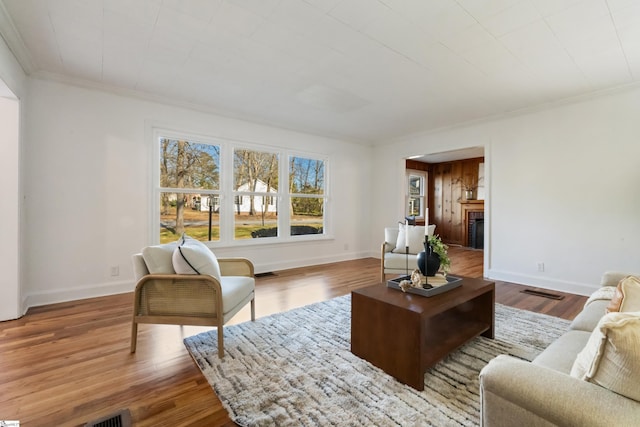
<point>68,364</point>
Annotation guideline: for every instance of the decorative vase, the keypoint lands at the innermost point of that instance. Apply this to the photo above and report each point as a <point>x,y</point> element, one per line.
<point>469,194</point>
<point>428,261</point>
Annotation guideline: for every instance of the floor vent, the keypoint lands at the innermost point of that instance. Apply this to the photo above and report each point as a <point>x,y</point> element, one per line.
<point>119,419</point>
<point>267,274</point>
<point>542,294</point>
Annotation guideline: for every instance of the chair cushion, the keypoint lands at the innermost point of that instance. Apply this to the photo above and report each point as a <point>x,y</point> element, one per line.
<point>235,290</point>
<point>627,296</point>
<point>194,257</point>
<point>400,262</point>
<point>159,258</point>
<point>611,357</point>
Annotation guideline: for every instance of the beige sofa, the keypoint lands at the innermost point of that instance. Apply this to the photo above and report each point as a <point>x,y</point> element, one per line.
<point>514,392</point>
<point>393,258</point>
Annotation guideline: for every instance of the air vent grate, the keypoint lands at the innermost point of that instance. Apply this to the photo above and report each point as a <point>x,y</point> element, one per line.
<point>119,419</point>
<point>542,294</point>
<point>267,274</point>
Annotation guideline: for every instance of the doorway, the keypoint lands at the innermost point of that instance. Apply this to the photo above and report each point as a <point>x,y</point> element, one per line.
<point>455,196</point>
<point>10,305</point>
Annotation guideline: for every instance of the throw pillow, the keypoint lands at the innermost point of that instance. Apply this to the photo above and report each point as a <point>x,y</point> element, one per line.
<point>416,239</point>
<point>611,357</point>
<point>627,296</point>
<point>159,258</point>
<point>194,257</point>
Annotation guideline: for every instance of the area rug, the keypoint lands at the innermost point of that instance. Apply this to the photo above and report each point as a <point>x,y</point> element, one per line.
<point>296,369</point>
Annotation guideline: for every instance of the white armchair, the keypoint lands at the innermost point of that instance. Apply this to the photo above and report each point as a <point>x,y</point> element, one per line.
<point>393,259</point>
<point>205,298</point>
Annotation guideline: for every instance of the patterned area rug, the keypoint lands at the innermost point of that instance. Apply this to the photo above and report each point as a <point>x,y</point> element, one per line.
<point>296,369</point>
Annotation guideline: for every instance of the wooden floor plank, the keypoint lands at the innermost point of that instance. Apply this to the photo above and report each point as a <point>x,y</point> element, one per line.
<point>67,364</point>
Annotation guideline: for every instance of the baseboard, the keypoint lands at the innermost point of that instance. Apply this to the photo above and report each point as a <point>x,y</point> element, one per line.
<point>298,263</point>
<point>542,282</point>
<point>35,299</point>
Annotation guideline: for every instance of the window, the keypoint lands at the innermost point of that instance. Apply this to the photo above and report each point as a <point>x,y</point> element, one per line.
<point>306,195</point>
<point>415,193</point>
<point>225,192</point>
<point>255,177</point>
<point>189,175</point>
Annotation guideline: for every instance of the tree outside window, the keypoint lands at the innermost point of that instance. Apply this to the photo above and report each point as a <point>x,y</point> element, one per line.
<point>189,182</point>
<point>306,195</point>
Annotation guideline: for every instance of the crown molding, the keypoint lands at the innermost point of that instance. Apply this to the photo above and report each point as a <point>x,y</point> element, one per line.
<point>14,41</point>
<point>575,99</point>
<point>166,100</point>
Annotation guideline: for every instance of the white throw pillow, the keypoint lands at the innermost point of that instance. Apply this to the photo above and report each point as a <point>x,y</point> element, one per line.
<point>416,239</point>
<point>194,257</point>
<point>611,357</point>
<point>159,258</point>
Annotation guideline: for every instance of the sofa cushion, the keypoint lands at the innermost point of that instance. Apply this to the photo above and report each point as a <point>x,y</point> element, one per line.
<point>590,315</point>
<point>194,257</point>
<point>416,239</point>
<point>611,357</point>
<point>159,258</point>
<point>627,296</point>
<point>561,353</point>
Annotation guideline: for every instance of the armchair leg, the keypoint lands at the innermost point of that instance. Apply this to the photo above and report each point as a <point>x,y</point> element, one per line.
<point>253,309</point>
<point>220,342</point>
<point>134,336</point>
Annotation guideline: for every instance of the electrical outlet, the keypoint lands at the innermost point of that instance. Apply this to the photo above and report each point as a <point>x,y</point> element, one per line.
<point>541,267</point>
<point>346,246</point>
<point>115,270</point>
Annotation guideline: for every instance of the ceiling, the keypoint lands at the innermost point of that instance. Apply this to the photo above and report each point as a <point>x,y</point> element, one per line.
<point>363,70</point>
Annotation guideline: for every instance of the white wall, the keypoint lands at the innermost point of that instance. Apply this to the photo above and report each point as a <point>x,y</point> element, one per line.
<point>12,85</point>
<point>561,188</point>
<point>9,213</point>
<point>87,166</point>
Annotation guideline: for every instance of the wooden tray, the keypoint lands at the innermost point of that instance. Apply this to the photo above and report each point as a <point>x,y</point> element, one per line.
<point>452,283</point>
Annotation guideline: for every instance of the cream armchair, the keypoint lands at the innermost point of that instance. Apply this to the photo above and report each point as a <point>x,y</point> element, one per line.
<point>393,259</point>
<point>191,299</point>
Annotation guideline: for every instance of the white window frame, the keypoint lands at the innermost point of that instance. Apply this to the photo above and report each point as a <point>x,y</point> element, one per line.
<point>413,173</point>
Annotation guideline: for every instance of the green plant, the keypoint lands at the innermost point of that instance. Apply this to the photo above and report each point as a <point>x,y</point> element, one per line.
<point>440,249</point>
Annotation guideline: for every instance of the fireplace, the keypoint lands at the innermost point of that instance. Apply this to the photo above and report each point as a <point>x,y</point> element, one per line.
<point>473,228</point>
<point>476,235</point>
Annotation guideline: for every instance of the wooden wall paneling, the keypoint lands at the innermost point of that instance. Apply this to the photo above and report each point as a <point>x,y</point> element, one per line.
<point>436,210</point>
<point>447,194</point>
<point>455,213</point>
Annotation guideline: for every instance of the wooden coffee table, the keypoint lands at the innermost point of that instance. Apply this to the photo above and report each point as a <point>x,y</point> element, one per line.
<point>406,334</point>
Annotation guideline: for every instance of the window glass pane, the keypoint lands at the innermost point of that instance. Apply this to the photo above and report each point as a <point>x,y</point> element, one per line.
<point>415,185</point>
<point>256,213</point>
<point>307,215</point>
<point>191,214</point>
<point>263,224</point>
<point>415,206</point>
<point>185,164</point>
<point>306,176</point>
<point>255,171</point>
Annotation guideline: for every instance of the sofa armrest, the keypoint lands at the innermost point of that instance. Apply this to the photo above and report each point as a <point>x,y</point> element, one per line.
<point>516,392</point>
<point>611,278</point>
